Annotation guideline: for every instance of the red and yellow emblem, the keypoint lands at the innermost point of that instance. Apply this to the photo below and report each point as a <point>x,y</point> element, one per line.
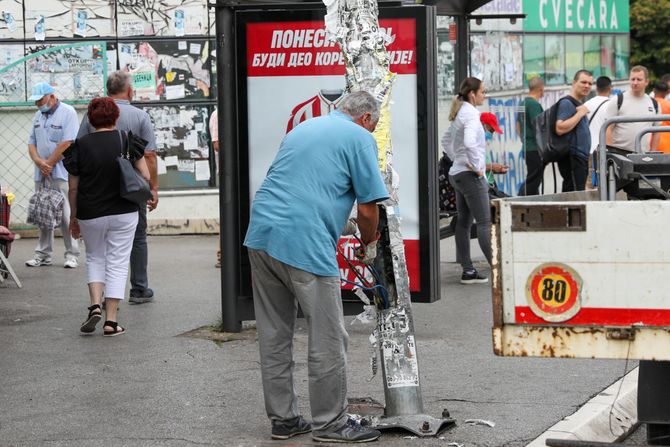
<point>553,292</point>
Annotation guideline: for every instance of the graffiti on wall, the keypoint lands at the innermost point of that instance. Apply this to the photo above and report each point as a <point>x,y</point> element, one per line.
<point>12,75</point>
<point>162,17</point>
<point>69,18</point>
<point>76,71</point>
<point>506,148</point>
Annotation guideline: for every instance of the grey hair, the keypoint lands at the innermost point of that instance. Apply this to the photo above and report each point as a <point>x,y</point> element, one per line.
<point>357,103</point>
<point>117,82</point>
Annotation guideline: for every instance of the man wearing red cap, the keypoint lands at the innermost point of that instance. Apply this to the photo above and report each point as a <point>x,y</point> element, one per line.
<point>490,123</point>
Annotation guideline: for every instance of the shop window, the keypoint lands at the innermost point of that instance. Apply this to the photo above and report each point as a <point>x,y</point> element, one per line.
<point>592,55</point>
<point>533,57</point>
<point>554,57</point>
<point>621,56</point>
<point>607,55</point>
<point>574,55</point>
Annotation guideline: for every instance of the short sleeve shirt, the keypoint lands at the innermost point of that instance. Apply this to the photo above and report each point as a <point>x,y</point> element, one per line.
<point>580,136</point>
<point>532,109</point>
<point>214,126</point>
<point>131,119</point>
<point>322,166</point>
<point>623,134</point>
<point>48,131</point>
<point>94,157</point>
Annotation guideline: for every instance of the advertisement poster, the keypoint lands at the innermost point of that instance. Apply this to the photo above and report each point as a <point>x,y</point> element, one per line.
<point>11,19</point>
<point>182,144</point>
<point>294,74</point>
<point>168,70</point>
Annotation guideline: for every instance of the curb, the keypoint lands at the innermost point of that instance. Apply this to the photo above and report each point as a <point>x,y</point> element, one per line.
<point>601,419</point>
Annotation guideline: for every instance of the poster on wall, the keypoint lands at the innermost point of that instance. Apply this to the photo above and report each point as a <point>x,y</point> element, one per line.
<point>169,70</point>
<point>77,70</point>
<point>162,18</point>
<point>12,74</point>
<point>11,19</point>
<point>287,58</point>
<point>69,18</point>
<point>182,144</point>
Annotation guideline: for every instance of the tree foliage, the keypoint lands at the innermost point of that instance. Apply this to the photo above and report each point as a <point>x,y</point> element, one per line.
<point>649,35</point>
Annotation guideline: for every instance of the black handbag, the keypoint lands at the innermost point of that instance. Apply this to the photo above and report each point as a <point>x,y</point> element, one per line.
<point>133,186</point>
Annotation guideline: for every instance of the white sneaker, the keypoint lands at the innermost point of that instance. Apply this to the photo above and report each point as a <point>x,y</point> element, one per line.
<point>38,262</point>
<point>71,263</point>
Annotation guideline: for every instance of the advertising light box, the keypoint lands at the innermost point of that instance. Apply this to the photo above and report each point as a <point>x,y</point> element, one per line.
<point>289,72</point>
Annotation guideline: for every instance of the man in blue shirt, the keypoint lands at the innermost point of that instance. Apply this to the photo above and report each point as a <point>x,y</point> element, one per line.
<point>571,119</point>
<point>54,128</point>
<point>322,167</point>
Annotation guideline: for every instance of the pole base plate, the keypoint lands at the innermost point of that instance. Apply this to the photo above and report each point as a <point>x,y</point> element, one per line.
<point>419,424</point>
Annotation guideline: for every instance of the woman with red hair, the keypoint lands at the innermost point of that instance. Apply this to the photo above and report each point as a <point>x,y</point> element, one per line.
<point>104,219</point>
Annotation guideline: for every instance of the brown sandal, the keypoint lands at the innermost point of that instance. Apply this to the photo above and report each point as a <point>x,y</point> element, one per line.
<point>116,329</point>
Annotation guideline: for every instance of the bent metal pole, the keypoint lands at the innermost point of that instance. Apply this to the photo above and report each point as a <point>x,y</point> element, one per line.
<point>354,25</point>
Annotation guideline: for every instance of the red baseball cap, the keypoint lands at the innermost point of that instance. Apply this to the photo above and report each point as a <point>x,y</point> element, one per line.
<point>490,119</point>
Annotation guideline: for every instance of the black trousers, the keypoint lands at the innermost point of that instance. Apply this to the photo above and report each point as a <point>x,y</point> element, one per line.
<point>574,169</point>
<point>534,174</point>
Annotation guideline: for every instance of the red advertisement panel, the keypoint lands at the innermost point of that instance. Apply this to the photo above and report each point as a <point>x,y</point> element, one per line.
<point>301,48</point>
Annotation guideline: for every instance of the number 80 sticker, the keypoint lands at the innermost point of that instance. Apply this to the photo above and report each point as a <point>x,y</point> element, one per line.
<point>554,292</point>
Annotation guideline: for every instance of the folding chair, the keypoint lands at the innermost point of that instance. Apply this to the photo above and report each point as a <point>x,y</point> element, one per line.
<point>6,238</point>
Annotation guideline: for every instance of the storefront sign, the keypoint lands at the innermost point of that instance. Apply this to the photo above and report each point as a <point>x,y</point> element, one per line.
<point>607,16</point>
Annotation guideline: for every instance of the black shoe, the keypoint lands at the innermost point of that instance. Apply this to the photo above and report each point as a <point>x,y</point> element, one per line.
<point>141,296</point>
<point>351,432</point>
<point>473,277</point>
<point>285,431</point>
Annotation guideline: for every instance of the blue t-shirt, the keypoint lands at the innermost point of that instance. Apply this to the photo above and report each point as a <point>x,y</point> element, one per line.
<point>580,136</point>
<point>322,166</point>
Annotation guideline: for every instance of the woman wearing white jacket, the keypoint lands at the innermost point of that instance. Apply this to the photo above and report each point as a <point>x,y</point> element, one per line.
<point>468,176</point>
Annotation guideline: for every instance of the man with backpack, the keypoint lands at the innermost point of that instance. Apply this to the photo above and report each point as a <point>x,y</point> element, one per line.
<point>571,122</point>
<point>634,102</point>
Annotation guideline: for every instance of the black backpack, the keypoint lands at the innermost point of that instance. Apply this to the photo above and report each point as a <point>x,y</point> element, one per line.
<point>551,146</point>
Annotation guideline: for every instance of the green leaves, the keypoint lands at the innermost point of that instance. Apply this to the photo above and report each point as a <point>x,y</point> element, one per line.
<point>649,26</point>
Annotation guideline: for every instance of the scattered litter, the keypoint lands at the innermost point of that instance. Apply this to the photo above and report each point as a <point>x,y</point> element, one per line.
<point>453,444</point>
<point>369,315</point>
<point>480,422</point>
<point>409,437</point>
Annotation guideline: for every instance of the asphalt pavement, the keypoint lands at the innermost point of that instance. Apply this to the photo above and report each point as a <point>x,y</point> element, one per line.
<point>154,386</point>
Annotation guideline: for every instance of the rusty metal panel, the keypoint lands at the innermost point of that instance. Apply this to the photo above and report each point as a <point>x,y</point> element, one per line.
<point>496,272</point>
<point>632,342</point>
<point>548,217</point>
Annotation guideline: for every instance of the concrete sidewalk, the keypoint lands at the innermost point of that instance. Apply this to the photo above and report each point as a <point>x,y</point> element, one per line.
<point>154,387</point>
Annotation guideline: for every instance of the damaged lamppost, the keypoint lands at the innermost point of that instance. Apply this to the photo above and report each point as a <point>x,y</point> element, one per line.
<point>354,25</point>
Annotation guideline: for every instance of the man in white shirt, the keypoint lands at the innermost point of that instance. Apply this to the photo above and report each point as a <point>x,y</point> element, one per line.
<point>596,117</point>
<point>634,102</point>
